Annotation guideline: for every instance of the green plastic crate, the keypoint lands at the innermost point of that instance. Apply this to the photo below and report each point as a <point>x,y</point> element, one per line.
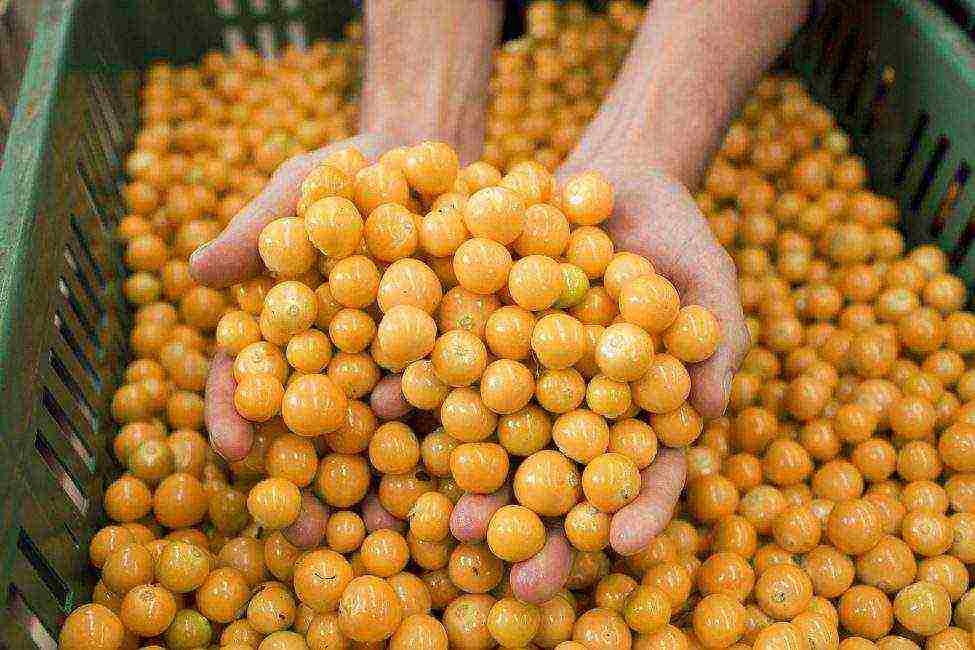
<point>62,317</point>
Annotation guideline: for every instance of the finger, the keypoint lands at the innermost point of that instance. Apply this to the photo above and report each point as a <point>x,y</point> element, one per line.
<point>376,517</point>
<point>387,400</point>
<point>231,436</point>
<point>471,514</point>
<point>308,530</point>
<point>635,525</point>
<point>233,257</point>
<point>715,286</point>
<point>540,577</point>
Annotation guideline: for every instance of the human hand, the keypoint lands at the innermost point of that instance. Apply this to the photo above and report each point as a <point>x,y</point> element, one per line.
<point>654,215</point>
<point>233,257</point>
<point>632,528</point>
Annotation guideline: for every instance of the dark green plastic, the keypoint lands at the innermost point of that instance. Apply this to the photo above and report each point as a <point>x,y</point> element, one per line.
<point>900,76</point>
<point>62,318</point>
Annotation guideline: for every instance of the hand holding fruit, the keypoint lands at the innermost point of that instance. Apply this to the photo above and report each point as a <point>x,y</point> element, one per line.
<point>556,332</point>
<point>654,215</point>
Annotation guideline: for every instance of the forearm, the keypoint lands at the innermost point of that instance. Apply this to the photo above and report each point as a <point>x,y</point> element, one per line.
<point>689,69</point>
<point>427,67</point>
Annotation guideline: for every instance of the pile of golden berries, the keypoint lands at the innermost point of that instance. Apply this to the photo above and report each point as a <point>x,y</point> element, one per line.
<point>838,495</point>
<point>525,342</point>
<point>833,507</point>
<point>508,354</point>
<point>212,135</point>
<point>548,84</point>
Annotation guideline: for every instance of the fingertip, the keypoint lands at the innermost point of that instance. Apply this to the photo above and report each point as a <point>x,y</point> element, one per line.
<point>197,263</point>
<point>676,460</point>
<point>308,530</point>
<point>387,399</point>
<point>230,435</point>
<point>711,386</point>
<point>232,449</point>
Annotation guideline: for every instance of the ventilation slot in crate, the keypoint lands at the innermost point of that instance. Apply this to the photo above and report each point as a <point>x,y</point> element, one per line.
<point>297,35</point>
<point>21,612</point>
<point>952,194</point>
<point>79,283</point>
<point>920,126</point>
<point>227,8</point>
<point>878,103</point>
<point>84,355</point>
<point>84,265</point>
<point>268,26</point>
<point>266,44</point>
<point>967,238</point>
<point>930,172</point>
<point>74,388</point>
<point>233,39</point>
<point>87,187</point>
<point>69,429</point>
<point>84,317</point>
<point>44,570</point>
<point>61,475</point>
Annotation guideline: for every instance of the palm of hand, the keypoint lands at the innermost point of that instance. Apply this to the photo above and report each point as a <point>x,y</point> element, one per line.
<point>655,215</point>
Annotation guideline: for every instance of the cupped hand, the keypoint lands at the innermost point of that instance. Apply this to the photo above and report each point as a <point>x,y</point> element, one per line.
<point>233,257</point>
<point>655,215</point>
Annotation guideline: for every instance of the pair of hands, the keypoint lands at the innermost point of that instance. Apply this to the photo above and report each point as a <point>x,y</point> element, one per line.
<point>682,81</point>
<point>654,215</point>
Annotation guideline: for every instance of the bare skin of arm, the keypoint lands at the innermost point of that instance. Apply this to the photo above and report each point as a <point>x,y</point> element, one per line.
<point>427,69</point>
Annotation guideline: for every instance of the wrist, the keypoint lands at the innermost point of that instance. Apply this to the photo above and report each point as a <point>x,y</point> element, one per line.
<point>406,118</point>
<point>688,69</point>
<point>427,69</point>
<point>617,141</point>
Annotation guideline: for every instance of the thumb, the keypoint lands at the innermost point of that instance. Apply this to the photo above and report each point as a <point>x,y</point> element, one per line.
<point>714,284</point>
<point>659,218</point>
<point>233,256</point>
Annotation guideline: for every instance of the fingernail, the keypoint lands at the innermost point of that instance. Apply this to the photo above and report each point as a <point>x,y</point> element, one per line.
<point>200,249</point>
